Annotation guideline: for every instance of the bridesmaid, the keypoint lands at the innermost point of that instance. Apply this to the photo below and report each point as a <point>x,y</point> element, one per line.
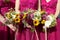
<point>5,32</point>
<point>51,7</point>
<point>25,33</point>
<point>22,34</point>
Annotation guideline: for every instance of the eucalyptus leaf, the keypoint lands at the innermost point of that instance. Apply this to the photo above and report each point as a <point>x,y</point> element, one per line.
<point>7,22</point>
<point>32,29</point>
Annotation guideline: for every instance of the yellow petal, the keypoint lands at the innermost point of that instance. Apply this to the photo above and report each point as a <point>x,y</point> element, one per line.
<point>17,20</point>
<point>36,22</point>
<point>43,22</point>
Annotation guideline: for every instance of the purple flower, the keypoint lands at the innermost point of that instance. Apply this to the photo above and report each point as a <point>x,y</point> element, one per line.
<point>32,15</point>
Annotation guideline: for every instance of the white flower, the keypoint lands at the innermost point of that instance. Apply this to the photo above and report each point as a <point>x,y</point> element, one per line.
<point>37,15</point>
<point>13,16</point>
<point>49,21</point>
<point>50,18</point>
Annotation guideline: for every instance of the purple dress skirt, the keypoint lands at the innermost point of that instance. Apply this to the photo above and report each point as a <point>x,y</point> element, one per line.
<point>25,33</point>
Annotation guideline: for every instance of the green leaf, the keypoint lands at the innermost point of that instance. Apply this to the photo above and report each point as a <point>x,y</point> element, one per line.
<point>24,22</point>
<point>32,29</point>
<point>7,22</point>
<point>13,13</point>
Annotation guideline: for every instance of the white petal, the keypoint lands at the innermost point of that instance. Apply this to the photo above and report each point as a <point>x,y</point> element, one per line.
<point>47,23</point>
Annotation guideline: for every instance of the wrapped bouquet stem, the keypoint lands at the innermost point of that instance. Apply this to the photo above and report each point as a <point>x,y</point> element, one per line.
<point>16,33</point>
<point>46,34</point>
<point>37,38</point>
<point>36,35</point>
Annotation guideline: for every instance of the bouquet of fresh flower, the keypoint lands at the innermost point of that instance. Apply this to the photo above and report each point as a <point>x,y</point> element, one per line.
<point>30,17</point>
<point>49,21</point>
<point>36,18</point>
<point>26,15</point>
<point>12,17</point>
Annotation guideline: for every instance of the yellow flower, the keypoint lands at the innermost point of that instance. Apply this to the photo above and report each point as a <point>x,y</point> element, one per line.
<point>8,16</point>
<point>17,15</point>
<point>17,20</point>
<point>24,16</point>
<point>36,22</point>
<point>43,22</point>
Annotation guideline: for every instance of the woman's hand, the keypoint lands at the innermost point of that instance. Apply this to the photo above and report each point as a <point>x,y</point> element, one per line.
<point>2,19</point>
<point>55,16</point>
<point>28,26</point>
<point>12,27</point>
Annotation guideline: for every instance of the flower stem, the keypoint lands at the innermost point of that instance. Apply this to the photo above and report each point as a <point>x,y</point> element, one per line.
<point>36,35</point>
<point>45,33</point>
<point>16,34</point>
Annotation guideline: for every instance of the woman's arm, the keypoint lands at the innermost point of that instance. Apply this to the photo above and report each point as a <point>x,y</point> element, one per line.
<point>2,19</point>
<point>39,5</point>
<point>57,9</point>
